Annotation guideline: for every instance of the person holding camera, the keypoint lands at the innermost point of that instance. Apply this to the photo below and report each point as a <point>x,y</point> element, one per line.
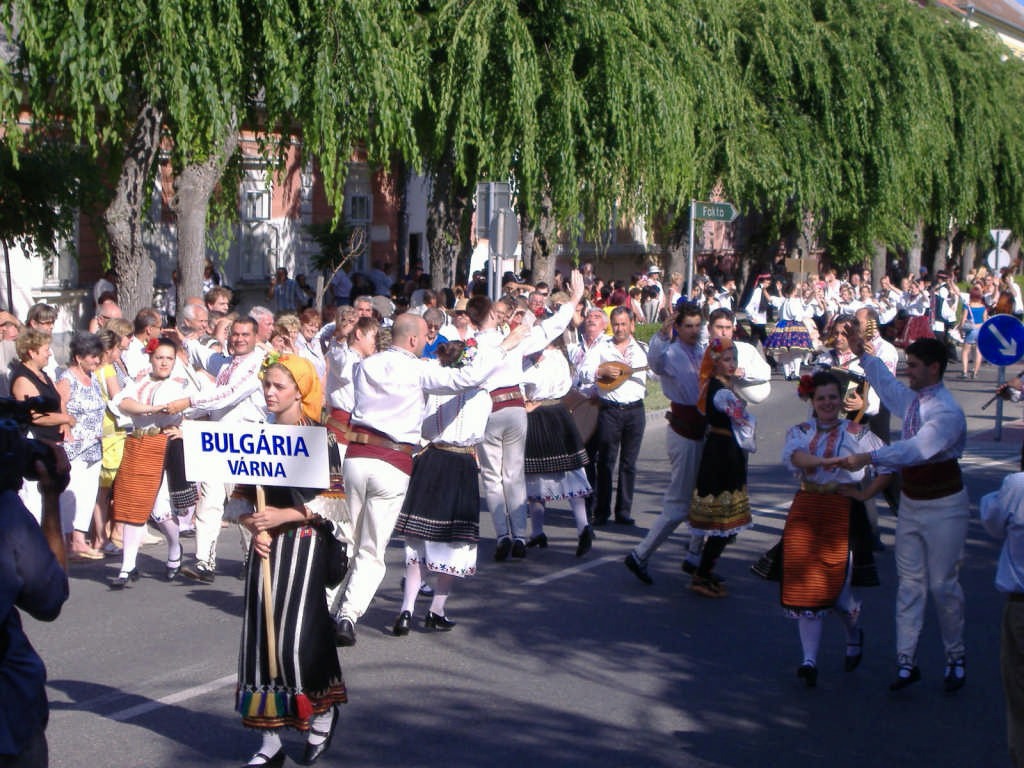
<point>31,579</point>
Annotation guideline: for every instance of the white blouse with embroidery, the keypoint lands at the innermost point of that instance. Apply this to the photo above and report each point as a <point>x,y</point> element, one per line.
<point>844,439</point>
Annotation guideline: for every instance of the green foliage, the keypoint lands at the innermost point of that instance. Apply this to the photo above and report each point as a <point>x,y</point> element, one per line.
<point>867,117</point>
<point>41,189</point>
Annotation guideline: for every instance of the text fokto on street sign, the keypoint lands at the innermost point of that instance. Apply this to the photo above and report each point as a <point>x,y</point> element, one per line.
<point>714,211</point>
<point>256,454</point>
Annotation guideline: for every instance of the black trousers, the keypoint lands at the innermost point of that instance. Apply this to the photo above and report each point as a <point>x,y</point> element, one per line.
<point>620,430</point>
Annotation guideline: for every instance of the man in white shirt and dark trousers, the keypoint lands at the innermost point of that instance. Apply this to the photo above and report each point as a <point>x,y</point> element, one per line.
<point>675,355</point>
<point>387,419</point>
<point>757,309</point>
<point>932,524</point>
<point>621,420</point>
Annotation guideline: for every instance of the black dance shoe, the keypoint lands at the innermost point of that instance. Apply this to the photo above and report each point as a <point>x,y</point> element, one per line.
<point>121,580</point>
<point>439,623</point>
<point>519,549</point>
<point>173,569</point>
<point>956,675</point>
<point>540,541</point>
<point>263,760</point>
<point>345,633</point>
<point>808,673</point>
<point>402,624</point>
<point>314,751</point>
<point>638,568</point>
<point>906,674</point>
<point>200,573</point>
<point>852,662</point>
<point>501,552</point>
<point>585,542</point>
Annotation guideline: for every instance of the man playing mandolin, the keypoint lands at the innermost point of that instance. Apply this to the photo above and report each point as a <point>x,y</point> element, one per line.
<point>620,373</point>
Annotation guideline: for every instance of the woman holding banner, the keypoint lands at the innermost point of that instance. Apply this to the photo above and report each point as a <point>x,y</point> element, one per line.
<point>151,480</point>
<point>288,669</point>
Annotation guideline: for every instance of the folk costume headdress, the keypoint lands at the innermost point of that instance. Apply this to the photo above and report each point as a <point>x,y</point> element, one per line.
<point>306,379</point>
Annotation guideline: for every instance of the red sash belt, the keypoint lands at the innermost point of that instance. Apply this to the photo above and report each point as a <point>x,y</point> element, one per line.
<point>932,481</point>
<point>506,397</point>
<point>686,421</point>
<point>338,423</point>
<point>365,443</point>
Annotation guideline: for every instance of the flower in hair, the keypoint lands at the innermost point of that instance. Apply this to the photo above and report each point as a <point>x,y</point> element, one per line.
<point>152,345</point>
<point>271,359</point>
<point>468,355</point>
<point>805,389</point>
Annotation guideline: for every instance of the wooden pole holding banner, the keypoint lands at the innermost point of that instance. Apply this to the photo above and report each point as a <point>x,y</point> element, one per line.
<point>268,598</point>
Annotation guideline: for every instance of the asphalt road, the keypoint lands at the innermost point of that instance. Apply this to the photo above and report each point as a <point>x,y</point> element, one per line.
<point>555,661</point>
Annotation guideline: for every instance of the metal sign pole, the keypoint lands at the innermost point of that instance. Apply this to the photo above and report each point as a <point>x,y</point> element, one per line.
<point>689,258</point>
<point>497,256</point>
<point>999,404</point>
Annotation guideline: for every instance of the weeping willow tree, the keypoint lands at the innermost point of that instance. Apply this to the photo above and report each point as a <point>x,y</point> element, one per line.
<point>589,109</point>
<point>136,78</point>
<point>879,120</point>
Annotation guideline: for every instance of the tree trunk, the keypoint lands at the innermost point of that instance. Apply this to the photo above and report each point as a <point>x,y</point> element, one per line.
<point>401,177</point>
<point>967,256</point>
<point>878,265</point>
<point>914,256</point>
<point>545,232</point>
<point>444,218</point>
<point>123,218</point>
<point>807,242</point>
<point>192,190</point>
<point>527,236</point>
<point>939,257</point>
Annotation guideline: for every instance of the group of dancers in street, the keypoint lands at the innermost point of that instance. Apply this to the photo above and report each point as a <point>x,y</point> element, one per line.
<point>418,447</point>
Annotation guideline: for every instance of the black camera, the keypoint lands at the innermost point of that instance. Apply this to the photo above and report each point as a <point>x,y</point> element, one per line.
<point>18,452</point>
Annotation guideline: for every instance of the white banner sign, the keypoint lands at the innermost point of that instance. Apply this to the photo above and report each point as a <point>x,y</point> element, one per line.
<point>256,454</point>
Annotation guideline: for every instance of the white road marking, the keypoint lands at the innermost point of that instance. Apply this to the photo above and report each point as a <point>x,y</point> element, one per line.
<point>173,698</point>
<point>570,571</point>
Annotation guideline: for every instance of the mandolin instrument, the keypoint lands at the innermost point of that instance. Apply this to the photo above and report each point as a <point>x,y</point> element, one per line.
<point>613,374</point>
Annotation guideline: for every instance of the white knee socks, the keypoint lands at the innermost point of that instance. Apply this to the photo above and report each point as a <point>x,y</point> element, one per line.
<point>810,638</point>
<point>131,540</point>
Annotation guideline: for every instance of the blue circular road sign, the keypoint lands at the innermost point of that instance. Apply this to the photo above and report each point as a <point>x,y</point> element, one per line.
<point>1001,340</point>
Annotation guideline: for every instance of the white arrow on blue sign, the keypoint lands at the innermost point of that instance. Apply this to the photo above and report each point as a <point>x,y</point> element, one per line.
<point>1001,340</point>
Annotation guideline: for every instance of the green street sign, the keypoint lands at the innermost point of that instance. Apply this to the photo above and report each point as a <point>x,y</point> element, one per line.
<point>714,211</point>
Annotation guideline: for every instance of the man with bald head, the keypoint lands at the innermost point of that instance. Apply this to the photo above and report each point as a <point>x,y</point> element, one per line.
<point>106,310</point>
<point>390,403</point>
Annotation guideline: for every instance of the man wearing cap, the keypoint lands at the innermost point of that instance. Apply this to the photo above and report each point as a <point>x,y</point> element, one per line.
<point>757,309</point>
<point>654,280</point>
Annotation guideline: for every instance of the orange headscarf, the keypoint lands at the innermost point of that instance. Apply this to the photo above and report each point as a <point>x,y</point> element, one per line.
<point>716,348</point>
<point>308,382</point>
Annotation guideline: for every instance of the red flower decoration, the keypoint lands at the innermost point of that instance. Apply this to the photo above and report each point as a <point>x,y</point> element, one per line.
<point>151,347</point>
<point>806,387</point>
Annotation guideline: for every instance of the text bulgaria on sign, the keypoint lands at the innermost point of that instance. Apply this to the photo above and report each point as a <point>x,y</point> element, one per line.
<point>264,454</point>
<point>275,445</point>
